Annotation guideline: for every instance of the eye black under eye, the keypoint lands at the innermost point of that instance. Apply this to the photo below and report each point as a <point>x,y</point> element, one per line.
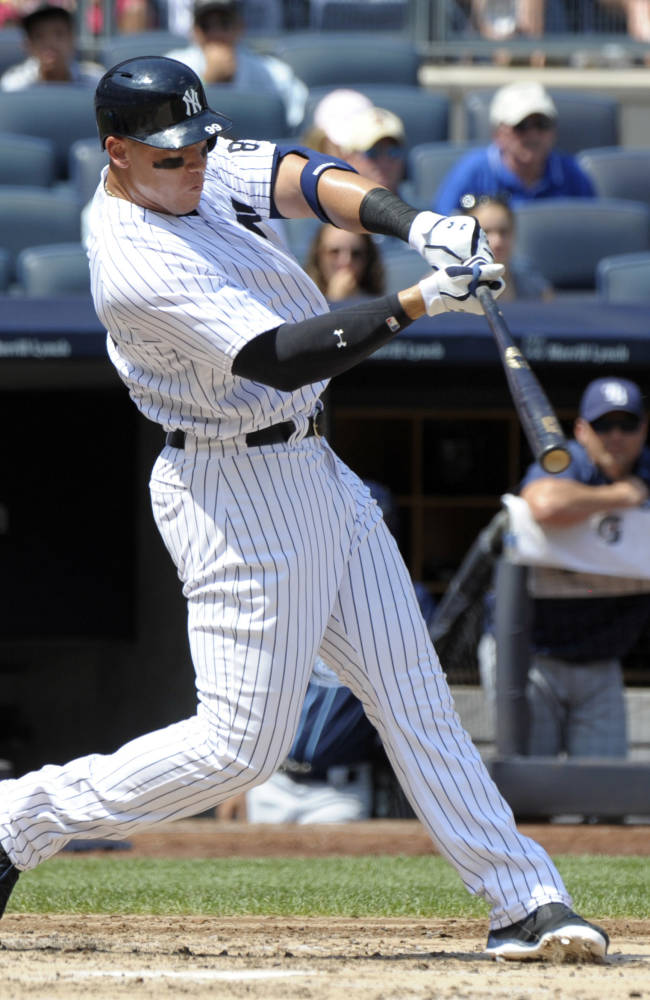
<point>169,163</point>
<point>174,162</point>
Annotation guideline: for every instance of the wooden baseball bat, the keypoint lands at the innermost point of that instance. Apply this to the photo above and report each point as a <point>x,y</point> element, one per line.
<point>536,415</point>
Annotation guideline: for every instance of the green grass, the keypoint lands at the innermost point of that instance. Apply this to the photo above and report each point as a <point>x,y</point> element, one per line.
<point>369,886</point>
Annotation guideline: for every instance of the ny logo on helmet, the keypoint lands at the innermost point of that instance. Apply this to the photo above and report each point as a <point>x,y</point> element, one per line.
<point>192,102</point>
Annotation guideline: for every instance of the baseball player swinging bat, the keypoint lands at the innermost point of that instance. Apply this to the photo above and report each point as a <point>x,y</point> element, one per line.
<point>540,424</point>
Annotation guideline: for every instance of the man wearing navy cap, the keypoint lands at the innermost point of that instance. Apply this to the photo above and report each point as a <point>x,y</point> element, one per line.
<point>575,688</point>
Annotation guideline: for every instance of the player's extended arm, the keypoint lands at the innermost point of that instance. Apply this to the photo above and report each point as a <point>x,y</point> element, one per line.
<point>311,184</point>
<point>561,502</point>
<point>297,354</point>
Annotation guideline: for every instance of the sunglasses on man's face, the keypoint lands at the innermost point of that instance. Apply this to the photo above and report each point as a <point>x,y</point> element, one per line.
<point>389,151</point>
<point>625,422</point>
<point>541,122</point>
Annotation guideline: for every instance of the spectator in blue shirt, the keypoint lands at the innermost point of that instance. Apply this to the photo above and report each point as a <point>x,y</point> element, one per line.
<point>521,162</point>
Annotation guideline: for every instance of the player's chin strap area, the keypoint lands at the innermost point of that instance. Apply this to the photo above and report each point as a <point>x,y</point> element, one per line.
<point>297,354</point>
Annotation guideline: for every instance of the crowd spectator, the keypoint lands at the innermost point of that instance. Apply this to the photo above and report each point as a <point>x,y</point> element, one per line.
<point>575,687</point>
<point>497,220</point>
<point>521,162</point>
<point>218,55</point>
<point>373,141</point>
<point>345,265</point>
<point>50,41</point>
<point>329,124</point>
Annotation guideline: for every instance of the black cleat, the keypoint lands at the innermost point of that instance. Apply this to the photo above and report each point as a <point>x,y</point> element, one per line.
<point>8,879</point>
<point>552,932</point>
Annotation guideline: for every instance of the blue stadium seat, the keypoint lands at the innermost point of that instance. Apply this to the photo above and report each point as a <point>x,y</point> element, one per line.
<point>427,164</point>
<point>356,15</point>
<point>567,237</point>
<point>58,112</point>
<point>402,268</point>
<point>33,216</point>
<point>299,233</point>
<point>584,119</point>
<point>12,48</point>
<point>26,159</point>
<point>140,43</point>
<point>5,269</point>
<point>618,172</point>
<point>86,161</point>
<point>343,59</point>
<point>254,115</point>
<point>263,15</point>
<point>425,114</point>
<point>52,270</point>
<point>624,277</point>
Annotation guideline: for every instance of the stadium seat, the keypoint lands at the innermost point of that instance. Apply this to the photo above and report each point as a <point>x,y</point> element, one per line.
<point>624,277</point>
<point>12,48</point>
<point>263,15</point>
<point>254,115</point>
<point>86,161</point>
<point>53,269</point>
<point>298,234</point>
<point>33,216</point>
<point>57,112</point>
<point>5,269</point>
<point>140,43</point>
<point>427,164</point>
<point>618,172</point>
<point>402,268</point>
<point>584,120</point>
<point>343,59</point>
<point>566,237</point>
<point>425,114</point>
<point>26,159</point>
<point>355,15</point>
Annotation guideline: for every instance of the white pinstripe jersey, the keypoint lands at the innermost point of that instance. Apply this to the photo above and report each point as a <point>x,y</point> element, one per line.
<point>180,296</point>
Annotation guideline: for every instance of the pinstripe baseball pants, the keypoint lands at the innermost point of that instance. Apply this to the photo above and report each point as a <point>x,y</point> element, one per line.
<point>282,554</point>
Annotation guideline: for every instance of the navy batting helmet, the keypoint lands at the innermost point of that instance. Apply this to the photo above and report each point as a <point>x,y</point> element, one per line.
<point>157,101</point>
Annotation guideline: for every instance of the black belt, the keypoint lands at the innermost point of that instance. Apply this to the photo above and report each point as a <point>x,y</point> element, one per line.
<point>275,434</point>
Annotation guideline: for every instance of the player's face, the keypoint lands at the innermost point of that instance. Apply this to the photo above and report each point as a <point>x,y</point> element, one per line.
<point>613,442</point>
<point>165,180</point>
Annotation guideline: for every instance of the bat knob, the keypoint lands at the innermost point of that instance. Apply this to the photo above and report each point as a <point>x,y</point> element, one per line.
<point>555,460</point>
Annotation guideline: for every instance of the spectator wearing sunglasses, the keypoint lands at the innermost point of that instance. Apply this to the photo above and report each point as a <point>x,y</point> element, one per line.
<point>575,681</point>
<point>372,140</point>
<point>521,163</point>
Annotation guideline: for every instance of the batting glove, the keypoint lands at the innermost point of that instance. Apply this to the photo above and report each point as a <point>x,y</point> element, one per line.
<point>448,239</point>
<point>454,288</point>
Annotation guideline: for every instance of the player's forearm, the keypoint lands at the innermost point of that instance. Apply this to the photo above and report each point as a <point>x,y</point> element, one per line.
<point>562,502</point>
<point>318,348</point>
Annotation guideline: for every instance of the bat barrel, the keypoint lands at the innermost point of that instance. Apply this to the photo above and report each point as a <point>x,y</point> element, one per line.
<point>536,415</point>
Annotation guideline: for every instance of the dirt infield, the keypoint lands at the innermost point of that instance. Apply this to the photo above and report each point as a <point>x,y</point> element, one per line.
<point>105,958</point>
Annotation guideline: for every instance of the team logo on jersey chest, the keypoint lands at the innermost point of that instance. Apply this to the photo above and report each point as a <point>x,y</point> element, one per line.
<point>191,101</point>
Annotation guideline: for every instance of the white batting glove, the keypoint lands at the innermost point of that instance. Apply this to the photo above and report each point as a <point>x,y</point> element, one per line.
<point>454,288</point>
<point>448,239</point>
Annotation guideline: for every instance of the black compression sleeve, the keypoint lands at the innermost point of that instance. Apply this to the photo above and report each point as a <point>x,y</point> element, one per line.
<point>381,211</point>
<point>296,354</point>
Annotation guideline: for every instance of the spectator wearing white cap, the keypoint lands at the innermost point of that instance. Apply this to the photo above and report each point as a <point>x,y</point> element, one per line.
<point>521,163</point>
<point>372,140</point>
<point>330,117</point>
